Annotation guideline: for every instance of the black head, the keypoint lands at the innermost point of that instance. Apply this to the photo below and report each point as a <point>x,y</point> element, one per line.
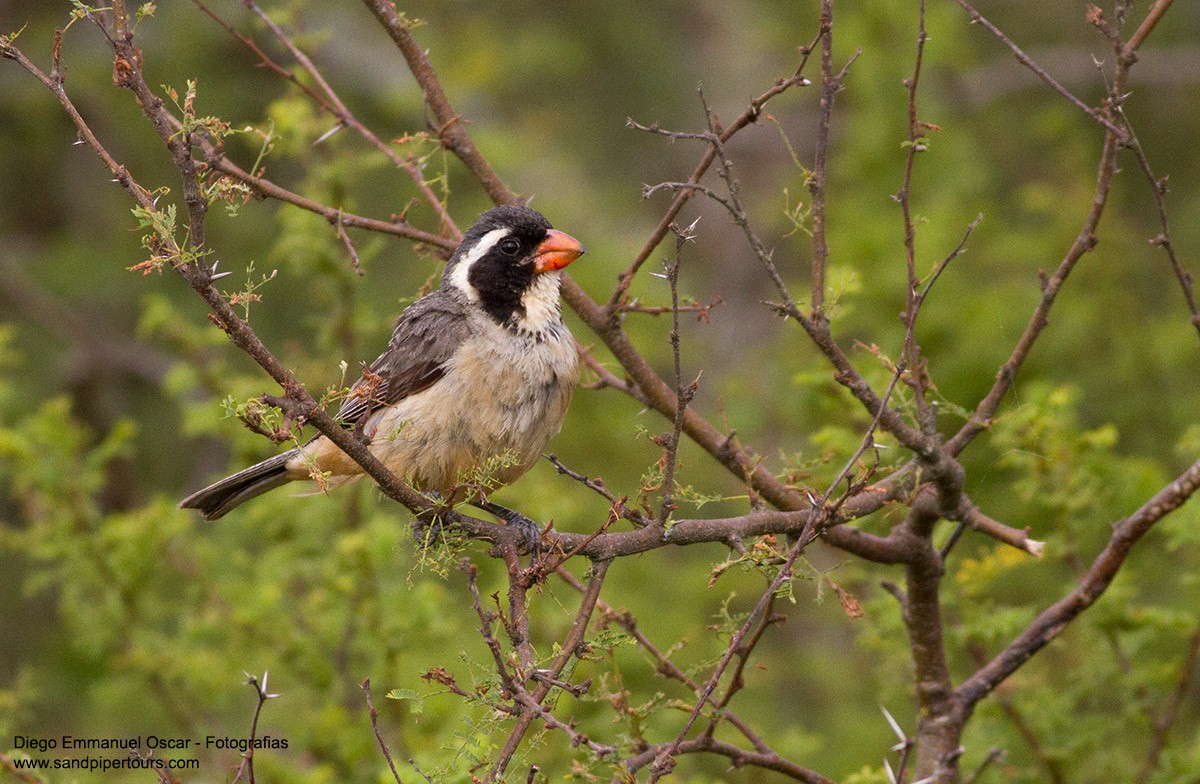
<point>502,254</point>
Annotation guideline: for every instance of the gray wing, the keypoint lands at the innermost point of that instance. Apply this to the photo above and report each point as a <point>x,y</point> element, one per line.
<point>426,335</point>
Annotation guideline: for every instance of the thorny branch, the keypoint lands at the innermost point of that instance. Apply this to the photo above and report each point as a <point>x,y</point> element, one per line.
<point>333,104</point>
<point>246,767</point>
<point>830,86</point>
<point>1054,619</point>
<point>683,392</point>
<point>918,378</point>
<point>570,648</point>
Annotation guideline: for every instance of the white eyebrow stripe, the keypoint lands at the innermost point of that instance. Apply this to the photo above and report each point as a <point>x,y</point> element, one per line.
<point>459,275</point>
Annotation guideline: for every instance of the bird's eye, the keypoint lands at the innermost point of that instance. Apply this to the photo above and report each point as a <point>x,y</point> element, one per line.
<point>510,247</point>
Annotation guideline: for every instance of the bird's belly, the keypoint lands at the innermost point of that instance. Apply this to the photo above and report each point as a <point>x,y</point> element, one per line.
<point>484,423</point>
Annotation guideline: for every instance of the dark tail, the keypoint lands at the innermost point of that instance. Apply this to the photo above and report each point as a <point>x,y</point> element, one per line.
<point>216,500</point>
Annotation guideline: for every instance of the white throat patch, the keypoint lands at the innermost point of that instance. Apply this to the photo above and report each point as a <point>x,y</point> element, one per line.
<point>459,276</point>
<point>541,303</point>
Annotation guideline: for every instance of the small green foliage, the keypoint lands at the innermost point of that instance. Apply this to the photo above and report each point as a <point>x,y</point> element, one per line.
<point>7,39</point>
<point>868,775</point>
<point>688,494</point>
<point>80,11</point>
<point>421,149</point>
<point>413,699</point>
<point>798,214</point>
<point>440,546</point>
<point>214,127</point>
<point>249,293</point>
<point>409,23</point>
<point>220,188</point>
<point>607,640</point>
<point>486,477</point>
<point>260,418</point>
<point>144,10</point>
<point>763,556</point>
<point>159,238</point>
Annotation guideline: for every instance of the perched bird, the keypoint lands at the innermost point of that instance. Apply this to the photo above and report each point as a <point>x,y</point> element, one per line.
<point>476,378</point>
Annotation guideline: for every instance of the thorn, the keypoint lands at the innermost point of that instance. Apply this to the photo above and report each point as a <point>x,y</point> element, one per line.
<point>214,275</point>
<point>894,724</point>
<point>329,133</point>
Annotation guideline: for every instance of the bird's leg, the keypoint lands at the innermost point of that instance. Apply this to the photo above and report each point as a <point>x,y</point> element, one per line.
<point>530,531</point>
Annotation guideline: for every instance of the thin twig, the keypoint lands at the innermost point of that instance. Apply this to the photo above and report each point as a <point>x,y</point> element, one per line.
<point>264,58</point>
<point>683,392</point>
<point>247,764</point>
<point>335,105</point>
<point>968,514</point>
<point>747,117</point>
<point>1041,73</point>
<point>738,758</point>
<point>1158,187</point>
<point>1085,240</point>
<point>664,761</point>
<point>570,649</point>
<point>1055,619</point>
<point>918,379</point>
<point>450,128</point>
<point>262,186</point>
<point>830,86</point>
<point>1145,28</point>
<point>993,756</point>
<point>1050,763</point>
<point>374,714</point>
<point>663,664</point>
<point>355,262</point>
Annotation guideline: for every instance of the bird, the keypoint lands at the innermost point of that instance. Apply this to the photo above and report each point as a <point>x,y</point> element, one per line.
<point>476,378</point>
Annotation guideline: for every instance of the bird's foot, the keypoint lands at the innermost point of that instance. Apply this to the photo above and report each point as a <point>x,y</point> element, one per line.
<point>529,532</point>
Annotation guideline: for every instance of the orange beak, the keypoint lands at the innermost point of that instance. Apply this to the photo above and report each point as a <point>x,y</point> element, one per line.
<point>556,251</point>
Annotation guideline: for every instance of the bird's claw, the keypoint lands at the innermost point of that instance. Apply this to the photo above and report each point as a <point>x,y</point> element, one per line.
<point>530,534</point>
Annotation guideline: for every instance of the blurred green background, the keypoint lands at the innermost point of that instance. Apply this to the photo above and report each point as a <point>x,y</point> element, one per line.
<point>120,615</point>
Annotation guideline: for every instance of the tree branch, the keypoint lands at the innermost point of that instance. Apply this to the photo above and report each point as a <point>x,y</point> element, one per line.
<point>1054,619</point>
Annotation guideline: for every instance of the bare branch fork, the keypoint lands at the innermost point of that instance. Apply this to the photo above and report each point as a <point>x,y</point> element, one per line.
<point>246,767</point>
